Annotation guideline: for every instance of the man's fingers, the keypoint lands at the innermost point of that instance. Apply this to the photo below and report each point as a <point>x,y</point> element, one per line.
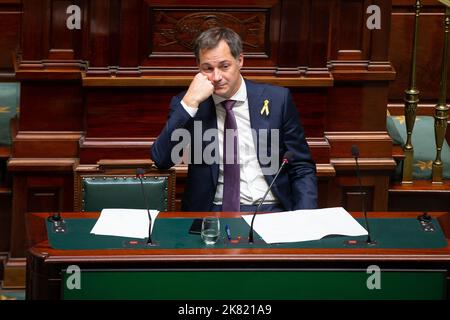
<point>199,90</point>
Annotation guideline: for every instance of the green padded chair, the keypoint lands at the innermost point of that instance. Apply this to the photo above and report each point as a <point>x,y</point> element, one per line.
<point>424,146</point>
<point>97,191</point>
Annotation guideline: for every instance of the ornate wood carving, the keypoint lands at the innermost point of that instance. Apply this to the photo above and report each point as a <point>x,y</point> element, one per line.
<point>103,92</point>
<point>176,30</point>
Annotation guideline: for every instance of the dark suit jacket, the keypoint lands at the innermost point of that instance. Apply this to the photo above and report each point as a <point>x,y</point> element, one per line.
<point>295,187</point>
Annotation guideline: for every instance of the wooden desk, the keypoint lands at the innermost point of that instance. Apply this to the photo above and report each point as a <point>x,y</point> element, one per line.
<point>46,266</point>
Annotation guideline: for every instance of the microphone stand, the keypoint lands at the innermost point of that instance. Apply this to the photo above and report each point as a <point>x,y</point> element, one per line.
<point>250,233</point>
<point>139,174</point>
<point>369,240</point>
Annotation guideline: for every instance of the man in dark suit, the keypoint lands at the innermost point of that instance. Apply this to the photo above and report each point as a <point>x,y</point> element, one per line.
<point>237,132</point>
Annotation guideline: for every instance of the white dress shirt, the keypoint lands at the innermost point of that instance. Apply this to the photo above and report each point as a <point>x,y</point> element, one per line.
<point>253,184</point>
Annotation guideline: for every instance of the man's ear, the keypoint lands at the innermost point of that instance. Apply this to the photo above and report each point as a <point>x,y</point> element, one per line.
<point>241,60</point>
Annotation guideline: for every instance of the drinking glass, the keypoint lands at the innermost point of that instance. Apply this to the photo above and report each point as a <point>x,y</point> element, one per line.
<point>210,230</point>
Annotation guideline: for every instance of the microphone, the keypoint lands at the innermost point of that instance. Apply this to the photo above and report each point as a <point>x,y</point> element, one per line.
<point>140,174</point>
<point>286,158</point>
<point>355,154</point>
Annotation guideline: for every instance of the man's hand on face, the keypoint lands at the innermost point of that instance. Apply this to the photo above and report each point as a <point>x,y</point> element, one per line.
<point>199,90</point>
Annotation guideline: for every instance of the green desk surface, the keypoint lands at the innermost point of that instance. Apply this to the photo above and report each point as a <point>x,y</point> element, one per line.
<point>172,233</point>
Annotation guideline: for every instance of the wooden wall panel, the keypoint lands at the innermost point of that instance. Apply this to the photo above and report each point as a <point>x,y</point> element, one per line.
<point>379,49</point>
<point>175,30</point>
<point>357,53</point>
<point>314,43</point>
<point>311,106</point>
<point>429,54</point>
<point>60,35</point>
<point>40,199</point>
<point>103,92</point>
<point>51,106</point>
<point>131,112</point>
<point>139,38</point>
<point>354,197</point>
<point>10,19</point>
<point>148,37</point>
<point>5,220</point>
<point>130,33</point>
<point>37,192</point>
<point>46,41</point>
<point>60,42</point>
<point>33,29</point>
<point>170,28</point>
<point>351,37</point>
<point>143,112</point>
<point>319,25</point>
<point>100,33</point>
<point>351,32</point>
<point>345,191</point>
<point>357,106</point>
<point>293,34</point>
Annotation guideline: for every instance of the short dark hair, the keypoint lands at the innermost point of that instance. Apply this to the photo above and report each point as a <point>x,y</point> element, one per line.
<point>210,38</point>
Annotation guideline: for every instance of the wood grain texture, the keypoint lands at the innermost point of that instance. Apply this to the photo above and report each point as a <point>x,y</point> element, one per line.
<point>10,20</point>
<point>61,102</point>
<point>103,92</point>
<point>36,224</point>
<point>45,264</point>
<point>38,190</point>
<point>429,50</point>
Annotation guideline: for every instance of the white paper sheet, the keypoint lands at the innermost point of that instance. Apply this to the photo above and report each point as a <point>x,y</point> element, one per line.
<point>305,225</point>
<point>132,223</point>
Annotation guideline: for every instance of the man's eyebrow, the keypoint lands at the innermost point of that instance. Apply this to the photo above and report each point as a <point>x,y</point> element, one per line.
<point>207,64</point>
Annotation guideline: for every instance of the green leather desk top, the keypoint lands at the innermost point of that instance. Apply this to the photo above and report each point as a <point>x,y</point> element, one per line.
<point>172,233</point>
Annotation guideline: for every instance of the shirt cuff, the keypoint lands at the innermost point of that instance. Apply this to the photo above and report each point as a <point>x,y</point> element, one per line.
<point>192,111</point>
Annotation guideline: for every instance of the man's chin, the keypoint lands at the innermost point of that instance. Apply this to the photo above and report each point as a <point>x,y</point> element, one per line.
<point>221,92</point>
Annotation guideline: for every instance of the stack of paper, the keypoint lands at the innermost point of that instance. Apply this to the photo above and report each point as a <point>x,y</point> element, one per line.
<point>305,225</point>
<point>131,223</point>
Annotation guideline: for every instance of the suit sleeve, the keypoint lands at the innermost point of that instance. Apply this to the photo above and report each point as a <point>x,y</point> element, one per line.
<point>302,169</point>
<point>161,149</point>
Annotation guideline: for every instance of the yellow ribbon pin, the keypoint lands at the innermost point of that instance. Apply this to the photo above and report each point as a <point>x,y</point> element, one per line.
<point>265,108</point>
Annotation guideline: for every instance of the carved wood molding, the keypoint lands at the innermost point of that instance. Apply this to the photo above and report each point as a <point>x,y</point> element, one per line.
<point>341,164</point>
<point>46,144</point>
<point>176,30</point>
<point>41,164</point>
<point>362,70</point>
<point>371,144</point>
<point>184,81</point>
<point>325,170</point>
<point>125,163</point>
<point>420,186</point>
<point>42,69</point>
<point>49,135</point>
<point>363,75</point>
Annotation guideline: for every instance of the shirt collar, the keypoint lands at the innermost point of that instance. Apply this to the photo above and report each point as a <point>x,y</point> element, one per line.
<point>240,95</point>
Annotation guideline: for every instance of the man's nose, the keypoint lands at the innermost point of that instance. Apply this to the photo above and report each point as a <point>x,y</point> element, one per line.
<point>217,76</point>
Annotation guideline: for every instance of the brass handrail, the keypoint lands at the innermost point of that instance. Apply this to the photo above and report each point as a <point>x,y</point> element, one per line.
<point>441,109</point>
<point>411,101</point>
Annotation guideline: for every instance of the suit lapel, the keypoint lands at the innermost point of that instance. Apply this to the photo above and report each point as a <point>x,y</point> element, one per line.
<point>258,121</point>
<point>207,114</point>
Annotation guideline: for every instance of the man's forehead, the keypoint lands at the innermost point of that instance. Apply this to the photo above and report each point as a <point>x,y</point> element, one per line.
<point>210,62</point>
